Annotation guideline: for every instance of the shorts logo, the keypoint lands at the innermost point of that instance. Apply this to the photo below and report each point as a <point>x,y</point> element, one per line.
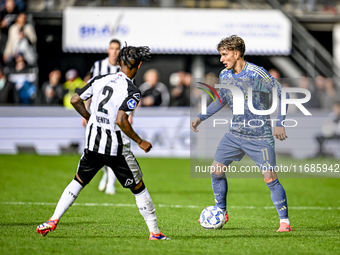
<point>128,182</point>
<point>131,104</point>
<point>137,96</point>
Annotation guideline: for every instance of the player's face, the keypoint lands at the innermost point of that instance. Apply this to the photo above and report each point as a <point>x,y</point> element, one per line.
<point>113,52</point>
<point>228,58</point>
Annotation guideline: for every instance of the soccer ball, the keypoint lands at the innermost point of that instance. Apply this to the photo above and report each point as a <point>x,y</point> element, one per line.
<point>212,217</point>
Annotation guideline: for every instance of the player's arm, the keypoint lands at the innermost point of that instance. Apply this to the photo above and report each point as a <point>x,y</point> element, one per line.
<point>279,130</point>
<point>79,105</point>
<point>122,120</point>
<point>124,124</point>
<point>270,82</point>
<point>87,106</point>
<point>130,118</point>
<point>211,110</point>
<point>94,71</point>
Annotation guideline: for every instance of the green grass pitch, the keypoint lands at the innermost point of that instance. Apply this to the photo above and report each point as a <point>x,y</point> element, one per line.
<point>101,224</point>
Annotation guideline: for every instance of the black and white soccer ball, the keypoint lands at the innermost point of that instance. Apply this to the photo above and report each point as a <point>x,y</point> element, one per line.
<point>212,217</point>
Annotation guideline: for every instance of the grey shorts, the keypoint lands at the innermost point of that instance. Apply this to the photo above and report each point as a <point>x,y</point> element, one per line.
<point>232,148</point>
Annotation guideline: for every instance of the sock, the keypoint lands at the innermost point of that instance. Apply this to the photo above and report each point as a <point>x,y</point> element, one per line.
<point>104,171</point>
<point>147,210</point>
<point>220,189</point>
<point>285,221</point>
<point>67,198</point>
<point>279,198</point>
<point>111,177</point>
<point>103,180</point>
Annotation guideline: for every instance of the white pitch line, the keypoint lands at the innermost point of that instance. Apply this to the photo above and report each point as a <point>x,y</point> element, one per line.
<point>176,206</point>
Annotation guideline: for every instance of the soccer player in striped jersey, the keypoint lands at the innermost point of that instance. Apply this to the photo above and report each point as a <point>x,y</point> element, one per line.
<point>108,64</point>
<point>102,67</point>
<point>257,141</point>
<point>108,135</point>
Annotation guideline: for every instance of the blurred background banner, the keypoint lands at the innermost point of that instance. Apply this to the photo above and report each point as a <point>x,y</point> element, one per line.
<point>177,31</point>
<point>56,130</point>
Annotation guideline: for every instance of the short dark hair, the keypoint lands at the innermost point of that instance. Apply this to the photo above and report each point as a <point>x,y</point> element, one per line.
<point>233,42</point>
<point>115,41</point>
<point>131,56</point>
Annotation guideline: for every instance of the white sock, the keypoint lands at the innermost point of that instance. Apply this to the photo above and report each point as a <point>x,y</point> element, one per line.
<point>111,177</point>
<point>67,198</point>
<point>285,221</point>
<point>147,210</point>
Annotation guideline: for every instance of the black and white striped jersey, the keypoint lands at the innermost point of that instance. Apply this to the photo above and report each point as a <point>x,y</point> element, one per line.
<point>109,93</point>
<point>102,67</point>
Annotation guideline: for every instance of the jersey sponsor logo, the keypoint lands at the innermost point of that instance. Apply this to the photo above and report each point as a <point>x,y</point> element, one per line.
<point>137,96</point>
<point>114,80</point>
<point>128,182</point>
<point>131,104</point>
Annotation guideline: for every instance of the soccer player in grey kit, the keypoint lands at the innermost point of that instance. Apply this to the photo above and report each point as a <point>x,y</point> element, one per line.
<point>257,140</point>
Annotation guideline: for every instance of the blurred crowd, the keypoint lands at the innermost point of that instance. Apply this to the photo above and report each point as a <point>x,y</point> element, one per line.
<point>296,7</point>
<point>19,70</point>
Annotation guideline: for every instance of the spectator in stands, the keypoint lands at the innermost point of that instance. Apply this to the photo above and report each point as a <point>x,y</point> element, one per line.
<point>180,93</point>
<point>8,16</point>
<point>25,78</point>
<point>52,90</point>
<point>21,4</point>
<point>277,75</point>
<point>20,63</point>
<point>8,92</point>
<point>330,129</point>
<point>306,5</point>
<point>153,92</point>
<point>65,3</point>
<point>49,5</point>
<point>330,96</point>
<point>325,92</point>
<point>329,6</point>
<point>305,83</point>
<point>72,85</point>
<point>319,89</point>
<point>21,38</point>
<point>24,84</point>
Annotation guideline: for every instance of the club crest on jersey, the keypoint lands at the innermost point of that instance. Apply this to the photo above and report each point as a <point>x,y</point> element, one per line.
<point>131,104</point>
<point>137,96</point>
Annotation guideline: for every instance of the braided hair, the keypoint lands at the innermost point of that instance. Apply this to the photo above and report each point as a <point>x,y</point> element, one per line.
<point>131,56</point>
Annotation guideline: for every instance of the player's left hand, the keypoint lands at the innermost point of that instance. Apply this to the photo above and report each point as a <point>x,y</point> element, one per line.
<point>145,145</point>
<point>280,133</point>
<point>194,123</point>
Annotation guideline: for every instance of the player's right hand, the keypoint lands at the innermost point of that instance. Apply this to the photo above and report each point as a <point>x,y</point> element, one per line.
<point>194,124</point>
<point>145,146</point>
